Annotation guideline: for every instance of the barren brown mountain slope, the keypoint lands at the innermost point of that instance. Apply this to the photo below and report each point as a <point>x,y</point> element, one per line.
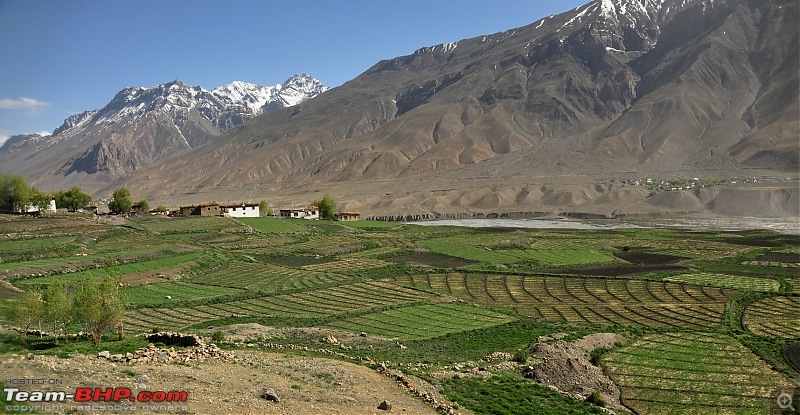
<point>539,118</point>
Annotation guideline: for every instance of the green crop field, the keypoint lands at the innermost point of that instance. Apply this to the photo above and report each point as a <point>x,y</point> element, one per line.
<point>775,317</point>
<point>156,294</point>
<point>690,373</point>
<point>711,319</point>
<point>371,224</point>
<point>268,278</point>
<point>422,321</point>
<point>728,281</point>
<point>320,303</point>
<point>276,225</point>
<point>586,301</point>
<point>189,224</point>
<point>152,266</point>
<point>36,245</point>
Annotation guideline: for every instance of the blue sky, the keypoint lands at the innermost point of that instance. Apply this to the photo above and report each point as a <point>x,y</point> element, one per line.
<point>64,57</point>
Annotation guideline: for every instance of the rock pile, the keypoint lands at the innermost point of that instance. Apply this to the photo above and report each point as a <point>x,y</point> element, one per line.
<point>422,394</point>
<point>152,354</point>
<point>175,339</point>
<point>497,356</point>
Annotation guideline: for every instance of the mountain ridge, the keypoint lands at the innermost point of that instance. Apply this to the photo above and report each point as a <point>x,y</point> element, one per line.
<point>675,88</point>
<point>140,125</point>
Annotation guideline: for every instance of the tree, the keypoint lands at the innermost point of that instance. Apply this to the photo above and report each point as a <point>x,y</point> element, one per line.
<point>327,207</point>
<point>58,308</point>
<point>99,307</point>
<point>144,206</point>
<point>28,311</point>
<point>161,209</point>
<point>72,199</point>
<point>15,194</point>
<point>122,201</point>
<point>40,200</point>
<point>264,209</point>
<point>20,193</point>
<point>115,274</point>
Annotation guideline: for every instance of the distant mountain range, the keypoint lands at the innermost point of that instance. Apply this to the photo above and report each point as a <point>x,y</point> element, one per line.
<point>142,125</point>
<point>550,117</point>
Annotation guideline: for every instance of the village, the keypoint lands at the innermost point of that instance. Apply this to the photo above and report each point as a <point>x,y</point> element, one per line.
<point>213,208</point>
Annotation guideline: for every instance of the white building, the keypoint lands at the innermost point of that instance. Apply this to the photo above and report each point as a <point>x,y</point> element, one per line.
<point>296,213</point>
<point>244,210</point>
<point>34,209</point>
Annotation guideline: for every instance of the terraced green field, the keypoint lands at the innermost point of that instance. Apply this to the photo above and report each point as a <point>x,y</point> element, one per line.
<point>167,292</point>
<point>728,281</point>
<point>274,225</point>
<point>506,249</point>
<point>705,312</point>
<point>587,301</point>
<point>693,373</point>
<point>422,321</point>
<point>268,278</point>
<point>148,266</point>
<point>775,317</point>
<point>316,304</point>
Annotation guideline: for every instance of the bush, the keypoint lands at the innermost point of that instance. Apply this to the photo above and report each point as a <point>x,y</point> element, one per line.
<point>217,336</point>
<point>520,356</point>
<point>595,399</point>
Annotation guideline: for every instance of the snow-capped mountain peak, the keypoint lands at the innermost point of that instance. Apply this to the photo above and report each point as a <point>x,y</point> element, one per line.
<point>258,98</point>
<point>140,125</point>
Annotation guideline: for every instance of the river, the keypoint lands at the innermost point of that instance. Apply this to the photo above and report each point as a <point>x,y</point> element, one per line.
<point>782,225</point>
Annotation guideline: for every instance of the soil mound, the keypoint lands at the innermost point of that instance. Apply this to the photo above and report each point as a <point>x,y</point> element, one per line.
<point>567,367</point>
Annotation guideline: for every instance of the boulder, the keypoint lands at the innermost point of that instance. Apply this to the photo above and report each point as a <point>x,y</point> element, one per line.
<point>385,405</point>
<point>269,394</point>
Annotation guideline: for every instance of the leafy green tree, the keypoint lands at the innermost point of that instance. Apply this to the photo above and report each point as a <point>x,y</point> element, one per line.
<point>99,307</point>
<point>327,207</point>
<point>122,201</point>
<point>264,209</point>
<point>58,308</point>
<point>15,194</point>
<point>161,209</point>
<point>28,311</point>
<point>72,199</point>
<point>40,200</point>
<point>5,194</point>
<point>144,206</point>
<point>20,193</point>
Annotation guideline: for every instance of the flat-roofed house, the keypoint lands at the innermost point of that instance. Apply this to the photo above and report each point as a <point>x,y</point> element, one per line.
<point>347,216</point>
<point>243,210</point>
<point>300,213</point>
<point>203,209</point>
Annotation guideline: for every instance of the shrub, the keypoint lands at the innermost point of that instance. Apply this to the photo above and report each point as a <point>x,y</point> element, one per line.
<point>217,336</point>
<point>520,356</point>
<point>595,399</point>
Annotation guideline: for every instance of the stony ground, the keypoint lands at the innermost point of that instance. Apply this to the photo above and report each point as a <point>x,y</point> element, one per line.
<point>305,386</point>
